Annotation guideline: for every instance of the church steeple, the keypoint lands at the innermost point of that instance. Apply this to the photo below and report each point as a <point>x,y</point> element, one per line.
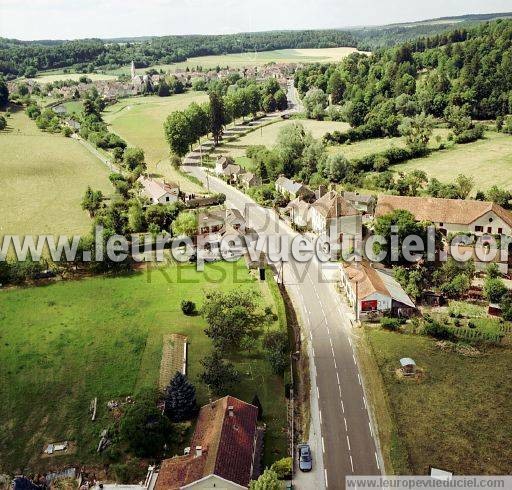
<point>133,70</point>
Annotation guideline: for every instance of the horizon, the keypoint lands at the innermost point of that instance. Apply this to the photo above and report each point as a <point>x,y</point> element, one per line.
<point>121,20</point>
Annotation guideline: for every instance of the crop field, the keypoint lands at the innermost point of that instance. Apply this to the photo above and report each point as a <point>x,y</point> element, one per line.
<point>237,60</point>
<point>456,416</point>
<point>63,345</point>
<point>44,177</point>
<point>267,135</point>
<point>487,161</point>
<point>140,121</point>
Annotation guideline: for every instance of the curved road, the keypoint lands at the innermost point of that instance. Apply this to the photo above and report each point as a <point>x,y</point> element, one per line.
<point>342,437</point>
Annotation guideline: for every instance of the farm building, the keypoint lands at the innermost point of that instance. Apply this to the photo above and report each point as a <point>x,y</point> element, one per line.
<point>159,192</point>
<point>371,290</point>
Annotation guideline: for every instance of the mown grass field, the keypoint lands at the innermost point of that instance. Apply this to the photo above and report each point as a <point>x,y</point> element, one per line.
<point>140,121</point>
<point>59,75</point>
<point>64,344</point>
<point>44,177</point>
<point>267,135</point>
<point>458,417</point>
<point>359,149</point>
<point>487,161</point>
<point>237,60</point>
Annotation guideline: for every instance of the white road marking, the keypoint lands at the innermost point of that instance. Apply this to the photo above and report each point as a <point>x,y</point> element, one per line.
<point>338,378</point>
<point>320,413</point>
<point>335,366</point>
<point>371,430</point>
<point>318,393</point>
<point>350,342</point>
<point>377,460</point>
<point>330,340</point>
<point>323,445</point>
<point>348,442</point>
<point>345,420</point>
<point>351,463</point>
<point>354,357</point>
<point>325,475</point>
<point>365,405</point>
<point>332,350</point>
<point>359,378</point>
<point>342,406</point>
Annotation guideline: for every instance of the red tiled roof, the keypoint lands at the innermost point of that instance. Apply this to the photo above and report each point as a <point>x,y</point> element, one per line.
<point>227,447</point>
<point>438,210</point>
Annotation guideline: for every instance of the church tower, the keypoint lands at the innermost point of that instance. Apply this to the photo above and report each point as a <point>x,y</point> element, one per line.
<point>133,70</point>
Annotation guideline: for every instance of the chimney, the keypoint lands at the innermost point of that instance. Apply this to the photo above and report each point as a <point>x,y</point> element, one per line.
<point>231,411</point>
<point>199,451</point>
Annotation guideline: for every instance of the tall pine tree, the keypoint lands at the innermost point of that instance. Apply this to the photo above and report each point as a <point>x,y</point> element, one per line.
<point>180,399</point>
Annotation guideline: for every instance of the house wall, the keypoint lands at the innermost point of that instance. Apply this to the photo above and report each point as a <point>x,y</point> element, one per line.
<point>490,223</point>
<point>167,198</point>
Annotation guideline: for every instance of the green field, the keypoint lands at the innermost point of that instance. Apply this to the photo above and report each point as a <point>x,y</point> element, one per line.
<point>64,344</point>
<point>321,55</point>
<point>44,177</point>
<point>457,417</point>
<point>268,135</point>
<point>374,145</point>
<point>487,161</point>
<point>140,121</point>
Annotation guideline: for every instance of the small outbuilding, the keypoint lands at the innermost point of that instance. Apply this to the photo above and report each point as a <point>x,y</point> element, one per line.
<point>408,365</point>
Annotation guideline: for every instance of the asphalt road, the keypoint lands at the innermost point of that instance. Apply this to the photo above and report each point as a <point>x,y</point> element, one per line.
<point>345,442</point>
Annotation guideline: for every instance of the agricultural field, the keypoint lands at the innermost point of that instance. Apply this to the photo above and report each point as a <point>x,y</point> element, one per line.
<point>54,76</point>
<point>487,161</point>
<point>456,416</point>
<point>140,121</point>
<point>359,149</point>
<point>238,60</point>
<point>64,344</point>
<point>44,177</point>
<point>267,135</point>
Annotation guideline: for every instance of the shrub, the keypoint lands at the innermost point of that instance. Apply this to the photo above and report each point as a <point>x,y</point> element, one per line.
<point>391,324</point>
<point>470,135</point>
<point>188,307</point>
<point>494,290</point>
<point>283,468</point>
<point>438,331</point>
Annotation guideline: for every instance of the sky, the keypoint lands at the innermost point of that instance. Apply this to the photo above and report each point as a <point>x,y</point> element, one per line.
<point>75,19</point>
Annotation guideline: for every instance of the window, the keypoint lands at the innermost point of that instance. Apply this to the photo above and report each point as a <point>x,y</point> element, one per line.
<point>489,229</point>
<point>479,229</point>
<point>500,231</point>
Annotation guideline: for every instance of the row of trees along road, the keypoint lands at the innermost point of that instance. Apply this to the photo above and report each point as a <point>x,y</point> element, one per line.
<point>244,98</point>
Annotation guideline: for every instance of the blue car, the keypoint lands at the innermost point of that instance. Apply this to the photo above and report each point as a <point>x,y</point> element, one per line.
<point>305,459</point>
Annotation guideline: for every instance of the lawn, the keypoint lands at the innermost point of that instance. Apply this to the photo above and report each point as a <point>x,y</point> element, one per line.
<point>64,344</point>
<point>458,417</point>
<point>487,161</point>
<point>374,145</point>
<point>237,60</point>
<point>44,177</point>
<point>267,135</point>
<point>140,121</point>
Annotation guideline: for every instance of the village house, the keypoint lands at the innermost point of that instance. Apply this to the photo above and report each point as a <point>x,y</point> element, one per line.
<point>159,192</point>
<point>224,450</point>
<point>365,203</point>
<point>336,220</point>
<point>298,212</point>
<point>225,167</point>
<point>292,189</point>
<point>371,290</point>
<point>452,215</point>
<point>248,180</point>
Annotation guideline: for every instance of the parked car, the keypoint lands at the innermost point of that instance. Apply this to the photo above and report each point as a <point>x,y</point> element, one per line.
<point>305,459</point>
